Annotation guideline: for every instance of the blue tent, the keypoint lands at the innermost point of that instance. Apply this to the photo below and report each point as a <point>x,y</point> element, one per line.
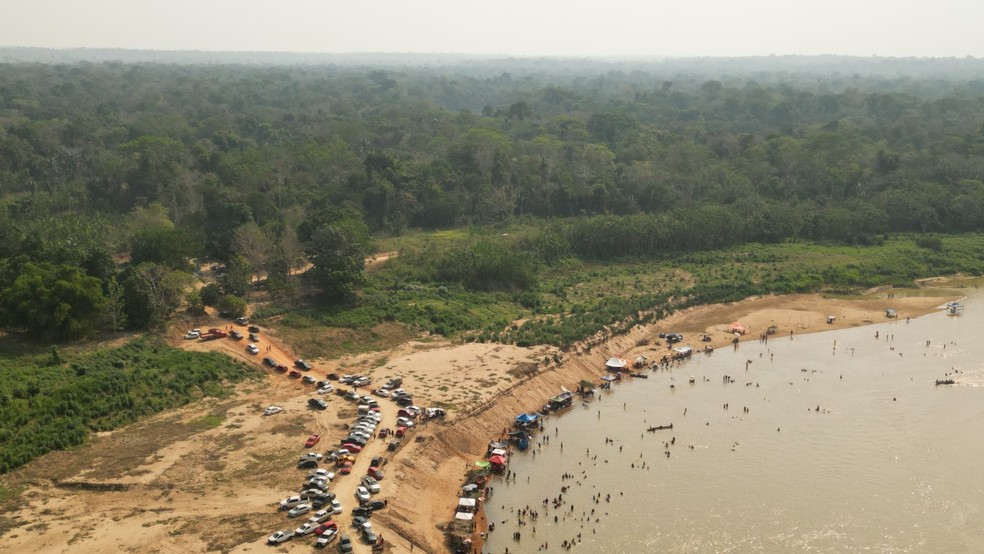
<point>526,418</point>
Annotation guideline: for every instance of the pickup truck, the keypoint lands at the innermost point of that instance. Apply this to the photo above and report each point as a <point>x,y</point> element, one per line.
<point>214,334</point>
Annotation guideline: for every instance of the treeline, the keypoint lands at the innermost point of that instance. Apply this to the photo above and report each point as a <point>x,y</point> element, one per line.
<point>268,168</point>
<point>47,403</point>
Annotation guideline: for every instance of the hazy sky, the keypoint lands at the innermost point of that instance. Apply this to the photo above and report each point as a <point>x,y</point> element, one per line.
<point>515,27</point>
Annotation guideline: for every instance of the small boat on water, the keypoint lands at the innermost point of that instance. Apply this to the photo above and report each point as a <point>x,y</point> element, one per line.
<point>947,381</point>
<point>659,428</point>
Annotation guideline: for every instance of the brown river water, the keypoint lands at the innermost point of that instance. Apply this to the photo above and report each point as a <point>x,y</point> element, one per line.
<point>829,442</point>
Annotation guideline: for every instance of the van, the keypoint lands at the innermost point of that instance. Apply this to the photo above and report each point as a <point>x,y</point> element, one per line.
<point>393,445</point>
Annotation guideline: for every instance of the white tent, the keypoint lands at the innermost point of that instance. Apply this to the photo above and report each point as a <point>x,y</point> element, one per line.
<point>464,516</point>
<point>615,363</point>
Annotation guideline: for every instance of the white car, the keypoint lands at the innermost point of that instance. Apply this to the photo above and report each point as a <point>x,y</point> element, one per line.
<point>362,494</point>
<point>382,392</point>
<point>336,507</point>
<point>193,334</point>
<point>320,517</point>
<point>305,529</point>
<point>311,456</point>
<point>299,510</point>
<point>280,536</point>
<point>404,422</point>
<point>253,349</point>
<point>290,502</point>
<point>321,474</point>
<point>371,484</point>
<point>272,410</point>
<point>327,389</point>
<point>326,538</point>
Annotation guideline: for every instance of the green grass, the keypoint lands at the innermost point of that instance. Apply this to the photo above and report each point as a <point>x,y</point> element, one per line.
<point>47,405</point>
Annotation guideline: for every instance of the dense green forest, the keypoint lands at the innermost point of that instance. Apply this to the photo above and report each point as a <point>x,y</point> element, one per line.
<point>268,167</point>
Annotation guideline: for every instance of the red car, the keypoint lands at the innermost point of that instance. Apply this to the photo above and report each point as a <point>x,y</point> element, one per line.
<point>330,524</point>
<point>311,441</point>
<point>401,431</point>
<point>295,374</point>
<point>281,368</point>
<point>353,448</point>
<point>383,432</point>
<point>346,468</point>
<point>375,473</point>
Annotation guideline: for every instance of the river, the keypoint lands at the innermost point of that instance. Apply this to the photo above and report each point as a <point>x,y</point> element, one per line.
<point>828,442</point>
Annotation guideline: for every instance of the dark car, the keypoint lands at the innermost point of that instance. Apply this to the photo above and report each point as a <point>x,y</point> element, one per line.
<point>393,445</point>
<point>254,337</point>
<point>375,504</point>
<point>302,365</point>
<point>281,368</point>
<point>235,335</point>
<point>242,320</point>
<point>674,338</point>
<point>364,512</point>
<point>404,400</point>
<point>295,374</point>
<point>307,463</point>
<point>317,403</point>
<point>377,461</point>
<point>345,544</point>
<point>359,521</point>
<point>332,377</point>
<point>253,329</point>
<point>270,361</point>
<point>369,535</point>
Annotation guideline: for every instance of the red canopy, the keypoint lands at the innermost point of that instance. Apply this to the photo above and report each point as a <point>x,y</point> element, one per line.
<point>497,460</point>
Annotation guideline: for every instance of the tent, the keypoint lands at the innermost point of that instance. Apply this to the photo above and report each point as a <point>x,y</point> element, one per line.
<point>466,504</point>
<point>609,378</point>
<point>465,516</point>
<point>523,419</point>
<point>737,328</point>
<point>500,452</point>
<point>497,460</point>
<point>615,363</point>
<point>482,464</point>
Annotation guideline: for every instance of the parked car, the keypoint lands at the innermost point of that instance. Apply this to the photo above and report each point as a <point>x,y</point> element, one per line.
<point>321,474</point>
<point>371,484</point>
<point>242,321</point>
<point>305,529</point>
<point>345,544</point>
<point>362,494</point>
<point>376,505</point>
<point>320,517</point>
<point>253,329</point>
<point>375,472</point>
<point>351,395</point>
<point>309,380</point>
<point>332,377</point>
<point>252,349</point>
<point>326,526</point>
<point>290,502</point>
<point>345,468</point>
<point>393,382</point>
<point>381,392</point>
<point>404,401</point>
<point>302,365</point>
<point>194,334</point>
<point>280,536</point>
<point>281,368</point>
<point>361,381</point>
<point>393,445</point>
<point>336,507</point>
<point>431,413</point>
<point>235,335</point>
<point>307,463</point>
<point>299,510</point>
<point>327,389</point>
<point>325,538</point>
<point>404,422</point>
<point>354,448</point>
<point>311,441</point>
<point>294,374</point>
<point>369,535</point>
<point>359,522</point>
<point>267,360</point>
<point>254,337</point>
<point>674,338</point>
<point>272,410</point>
<point>347,379</point>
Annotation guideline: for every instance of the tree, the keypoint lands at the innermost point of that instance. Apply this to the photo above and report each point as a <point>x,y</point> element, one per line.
<point>163,245</point>
<point>194,300</point>
<point>338,254</point>
<point>211,294</point>
<point>58,301</point>
<point>232,305</point>
<point>252,244</point>
<point>153,293</point>
<point>115,305</point>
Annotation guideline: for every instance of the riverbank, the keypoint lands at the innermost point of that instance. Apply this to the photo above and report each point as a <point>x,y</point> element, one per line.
<point>460,444</point>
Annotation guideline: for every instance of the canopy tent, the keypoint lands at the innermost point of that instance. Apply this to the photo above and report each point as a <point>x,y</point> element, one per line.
<point>641,360</point>
<point>469,487</point>
<point>499,452</point>
<point>615,363</point>
<point>482,464</point>
<point>526,418</point>
<point>497,460</point>
<point>466,516</point>
<point>737,328</point>
<point>466,503</point>
<point>497,444</point>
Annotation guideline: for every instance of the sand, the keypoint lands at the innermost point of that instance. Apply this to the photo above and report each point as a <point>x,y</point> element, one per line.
<point>189,489</point>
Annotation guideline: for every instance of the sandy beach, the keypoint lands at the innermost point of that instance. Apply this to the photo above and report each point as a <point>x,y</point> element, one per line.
<point>181,488</point>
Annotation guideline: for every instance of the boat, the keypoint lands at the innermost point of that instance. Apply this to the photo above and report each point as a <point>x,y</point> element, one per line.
<point>947,381</point>
<point>655,428</point>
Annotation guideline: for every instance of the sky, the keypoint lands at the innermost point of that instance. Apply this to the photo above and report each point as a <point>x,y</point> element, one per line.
<point>922,28</point>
